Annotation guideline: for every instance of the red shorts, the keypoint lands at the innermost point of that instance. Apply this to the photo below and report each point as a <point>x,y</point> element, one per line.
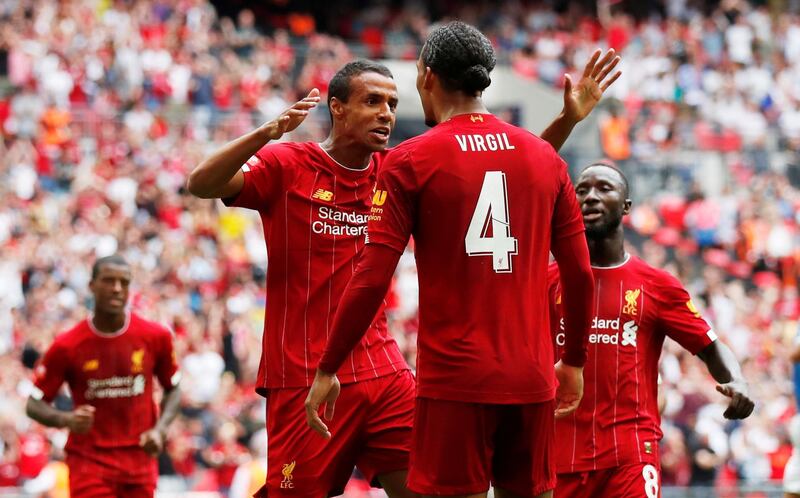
<point>639,480</point>
<point>460,448</point>
<point>371,430</point>
<point>90,475</point>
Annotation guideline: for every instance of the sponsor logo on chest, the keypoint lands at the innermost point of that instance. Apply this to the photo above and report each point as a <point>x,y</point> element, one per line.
<point>607,331</point>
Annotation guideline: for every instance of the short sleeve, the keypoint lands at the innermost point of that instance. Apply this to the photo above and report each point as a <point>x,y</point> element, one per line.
<point>264,178</point>
<point>391,219</point>
<point>679,318</point>
<point>567,219</point>
<point>166,364</point>
<point>50,373</point>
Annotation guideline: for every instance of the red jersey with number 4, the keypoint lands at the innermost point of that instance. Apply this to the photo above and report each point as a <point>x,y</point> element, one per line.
<point>482,199</point>
<point>114,373</point>
<point>617,422</point>
<point>314,212</point>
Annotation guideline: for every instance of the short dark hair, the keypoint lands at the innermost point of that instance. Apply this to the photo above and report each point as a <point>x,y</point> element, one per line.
<point>114,259</point>
<point>605,163</point>
<point>461,56</point>
<point>339,85</point>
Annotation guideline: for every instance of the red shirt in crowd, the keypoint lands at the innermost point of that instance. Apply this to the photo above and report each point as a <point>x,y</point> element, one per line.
<point>314,213</point>
<point>617,422</point>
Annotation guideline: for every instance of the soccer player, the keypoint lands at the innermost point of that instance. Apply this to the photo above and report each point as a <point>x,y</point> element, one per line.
<point>108,361</point>
<point>314,201</point>
<point>485,202</point>
<point>609,446</point>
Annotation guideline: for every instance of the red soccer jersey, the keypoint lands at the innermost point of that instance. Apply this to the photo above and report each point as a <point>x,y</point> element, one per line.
<point>314,213</point>
<point>114,373</point>
<point>482,199</point>
<point>617,422</point>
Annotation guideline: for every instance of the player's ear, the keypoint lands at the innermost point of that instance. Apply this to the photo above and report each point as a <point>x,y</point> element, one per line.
<point>428,78</point>
<point>337,108</point>
<point>626,209</point>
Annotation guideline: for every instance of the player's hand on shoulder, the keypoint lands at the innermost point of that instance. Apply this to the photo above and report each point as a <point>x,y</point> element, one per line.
<point>291,117</point>
<point>570,389</point>
<point>581,97</point>
<point>324,391</point>
<point>152,441</point>
<point>81,419</point>
<point>740,405</point>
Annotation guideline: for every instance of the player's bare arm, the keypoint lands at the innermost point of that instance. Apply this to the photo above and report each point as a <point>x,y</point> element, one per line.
<point>79,420</point>
<point>220,174</point>
<point>722,365</point>
<point>581,98</point>
<point>153,440</point>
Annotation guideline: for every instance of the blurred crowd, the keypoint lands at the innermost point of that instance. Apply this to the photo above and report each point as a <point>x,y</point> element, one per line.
<point>106,105</point>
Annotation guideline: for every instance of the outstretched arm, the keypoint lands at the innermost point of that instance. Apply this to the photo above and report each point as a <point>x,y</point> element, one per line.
<point>361,301</point>
<point>220,174</point>
<point>722,365</point>
<point>581,98</point>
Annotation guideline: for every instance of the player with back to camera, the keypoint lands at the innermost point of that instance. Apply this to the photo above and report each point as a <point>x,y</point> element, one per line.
<point>109,361</point>
<point>609,446</point>
<point>485,202</point>
<point>314,201</point>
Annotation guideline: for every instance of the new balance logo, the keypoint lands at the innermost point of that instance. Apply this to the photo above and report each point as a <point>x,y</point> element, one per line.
<point>323,195</point>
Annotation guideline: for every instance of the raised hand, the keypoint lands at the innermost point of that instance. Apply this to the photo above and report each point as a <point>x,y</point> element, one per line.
<point>291,117</point>
<point>324,390</point>
<point>581,97</point>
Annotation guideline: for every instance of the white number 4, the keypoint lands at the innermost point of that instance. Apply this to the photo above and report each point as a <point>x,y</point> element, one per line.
<point>491,211</point>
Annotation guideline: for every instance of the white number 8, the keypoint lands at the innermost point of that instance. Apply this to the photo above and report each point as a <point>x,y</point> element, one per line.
<point>492,207</point>
<point>650,475</point>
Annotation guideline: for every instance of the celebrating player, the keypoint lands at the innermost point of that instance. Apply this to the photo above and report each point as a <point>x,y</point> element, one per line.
<point>108,361</point>
<point>314,201</point>
<point>485,201</point>
<point>609,446</point>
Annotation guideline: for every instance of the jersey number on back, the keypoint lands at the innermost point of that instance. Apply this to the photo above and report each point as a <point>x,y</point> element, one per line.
<point>489,232</point>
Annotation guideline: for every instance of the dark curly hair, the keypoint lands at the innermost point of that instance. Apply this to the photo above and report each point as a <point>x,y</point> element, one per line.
<point>461,56</point>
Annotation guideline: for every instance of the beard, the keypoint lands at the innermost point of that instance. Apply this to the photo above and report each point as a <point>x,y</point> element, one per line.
<point>604,230</point>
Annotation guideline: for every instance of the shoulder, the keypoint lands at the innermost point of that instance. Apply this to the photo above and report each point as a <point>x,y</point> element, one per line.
<point>661,280</point>
<point>71,336</point>
<point>142,325</point>
<point>288,151</point>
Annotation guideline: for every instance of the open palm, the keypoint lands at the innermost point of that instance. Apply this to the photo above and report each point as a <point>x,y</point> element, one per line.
<point>581,97</point>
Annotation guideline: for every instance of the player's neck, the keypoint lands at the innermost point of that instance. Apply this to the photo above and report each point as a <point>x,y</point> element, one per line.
<point>454,104</point>
<point>346,152</point>
<point>108,323</point>
<point>608,251</point>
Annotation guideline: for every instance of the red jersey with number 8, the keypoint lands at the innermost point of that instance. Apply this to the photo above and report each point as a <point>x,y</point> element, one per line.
<point>483,200</point>
<point>636,308</point>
